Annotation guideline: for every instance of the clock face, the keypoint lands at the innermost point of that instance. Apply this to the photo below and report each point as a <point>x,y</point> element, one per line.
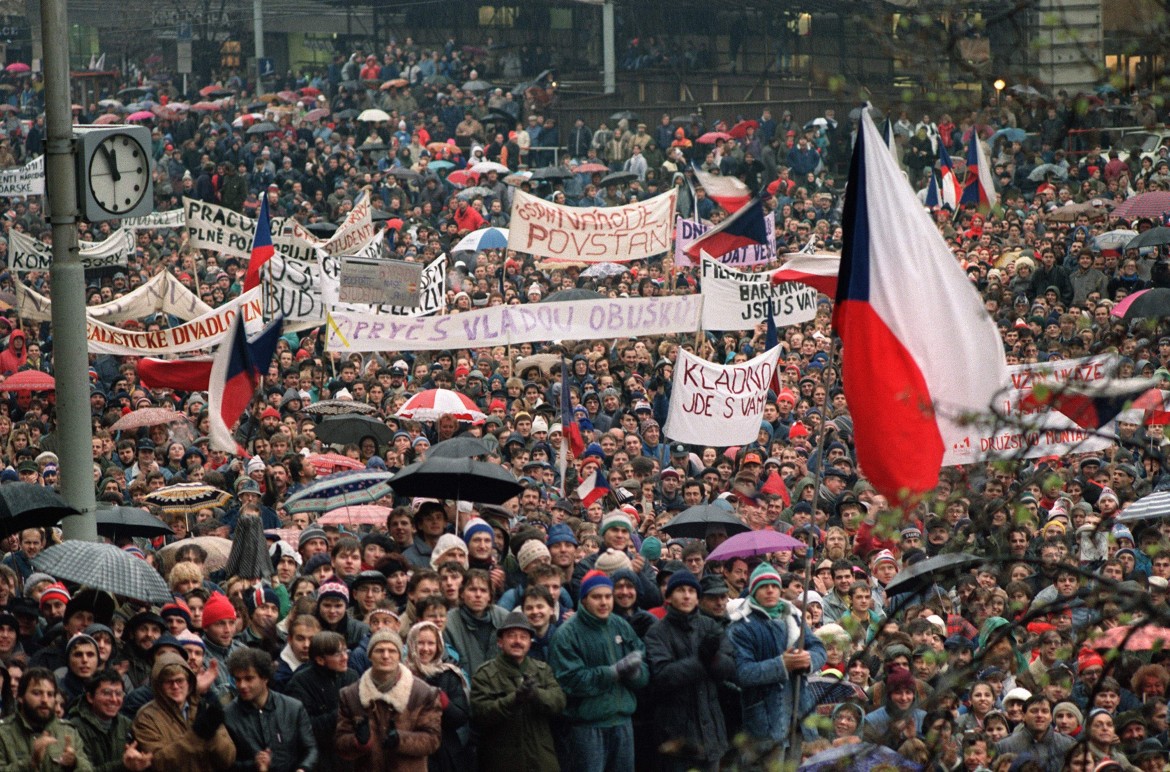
<point>119,174</point>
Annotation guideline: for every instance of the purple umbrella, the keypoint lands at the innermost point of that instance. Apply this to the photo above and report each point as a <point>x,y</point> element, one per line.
<point>753,543</point>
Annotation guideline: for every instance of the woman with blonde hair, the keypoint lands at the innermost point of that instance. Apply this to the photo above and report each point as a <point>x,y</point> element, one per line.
<point>425,658</point>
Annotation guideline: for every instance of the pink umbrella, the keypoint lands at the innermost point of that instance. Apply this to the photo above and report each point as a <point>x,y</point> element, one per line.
<point>17,67</point>
<point>318,114</point>
<point>711,136</point>
<point>432,403</point>
<point>752,543</point>
<point>1153,204</point>
<point>141,115</point>
<point>462,177</point>
<point>590,168</point>
<point>1144,638</point>
<point>328,463</point>
<point>1120,309</point>
<point>107,119</point>
<point>29,380</point>
<point>361,514</point>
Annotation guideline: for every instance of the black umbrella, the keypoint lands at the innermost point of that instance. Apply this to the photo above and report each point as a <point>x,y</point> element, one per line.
<point>576,293</point>
<point>1154,237</point>
<point>462,479</point>
<point>134,92</point>
<point>372,147</point>
<point>693,523</point>
<point>262,127</point>
<point>24,505</point>
<point>552,173</point>
<point>922,576</point>
<point>377,215</point>
<point>322,228</point>
<point>618,178</point>
<point>402,173</point>
<point>347,114</point>
<point>495,114</point>
<point>104,567</point>
<point>1153,303</point>
<point>114,521</point>
<point>249,555</point>
<point>344,429</point>
<point>463,446</point>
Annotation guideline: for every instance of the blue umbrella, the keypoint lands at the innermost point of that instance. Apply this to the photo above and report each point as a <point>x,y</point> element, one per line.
<point>484,238</point>
<point>1012,135</point>
<point>439,166</point>
<point>859,757</point>
<point>343,489</point>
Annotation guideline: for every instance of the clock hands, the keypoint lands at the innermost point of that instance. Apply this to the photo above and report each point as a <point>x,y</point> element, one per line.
<point>112,160</point>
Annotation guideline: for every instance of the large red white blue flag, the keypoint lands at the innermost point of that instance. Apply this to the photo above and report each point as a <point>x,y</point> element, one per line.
<point>236,371</point>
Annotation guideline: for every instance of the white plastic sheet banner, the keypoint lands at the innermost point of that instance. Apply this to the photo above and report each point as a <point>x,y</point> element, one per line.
<point>203,332</point>
<point>593,234</point>
<point>26,253</point>
<point>504,325</point>
<point>1034,432</point>
<point>709,401</point>
<point>737,300</point>
<point>28,180</point>
<point>163,292</point>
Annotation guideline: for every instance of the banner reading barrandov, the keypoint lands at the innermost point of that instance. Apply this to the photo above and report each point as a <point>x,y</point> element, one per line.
<point>736,300</point>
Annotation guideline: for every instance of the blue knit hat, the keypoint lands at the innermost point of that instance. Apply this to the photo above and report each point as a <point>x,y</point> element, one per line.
<point>258,596</point>
<point>477,525</point>
<point>683,578</point>
<point>560,533</point>
<point>592,581</point>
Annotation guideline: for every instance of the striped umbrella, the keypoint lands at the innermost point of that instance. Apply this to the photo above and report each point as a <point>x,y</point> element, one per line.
<point>1155,506</point>
<point>185,498</point>
<point>340,490</point>
<point>339,407</point>
<point>328,463</point>
<point>430,404</point>
<point>364,514</point>
<point>104,567</point>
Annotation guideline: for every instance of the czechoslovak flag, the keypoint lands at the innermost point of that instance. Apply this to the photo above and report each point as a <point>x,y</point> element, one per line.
<point>817,271</point>
<point>236,370</point>
<point>593,488</point>
<point>262,249</point>
<point>978,187</point>
<point>918,349</point>
<point>729,192</point>
<point>745,228</point>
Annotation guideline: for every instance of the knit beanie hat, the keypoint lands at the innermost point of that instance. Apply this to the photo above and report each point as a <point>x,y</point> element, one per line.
<point>176,609</point>
<point>651,548</point>
<point>33,580</point>
<point>1070,707</point>
<point>216,609</point>
<point>682,578</point>
<point>592,581</point>
<point>315,562</point>
<point>330,589</point>
<point>445,544</point>
<point>309,534</point>
<point>385,635</point>
<point>55,591</point>
<point>477,525</point>
<point>258,596</point>
<point>79,638</point>
<point>188,637</point>
<point>899,678</point>
<point>614,519</point>
<point>561,533</point>
<point>612,560</point>
<point>763,575</point>
<point>532,551</point>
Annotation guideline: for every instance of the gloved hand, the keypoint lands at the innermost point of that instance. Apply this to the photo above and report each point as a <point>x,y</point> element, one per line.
<point>708,647</point>
<point>526,692</point>
<point>361,731</point>
<point>444,700</point>
<point>208,719</point>
<point>629,665</point>
<point>390,742</point>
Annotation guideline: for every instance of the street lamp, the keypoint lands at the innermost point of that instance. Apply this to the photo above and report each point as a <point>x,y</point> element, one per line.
<point>999,84</point>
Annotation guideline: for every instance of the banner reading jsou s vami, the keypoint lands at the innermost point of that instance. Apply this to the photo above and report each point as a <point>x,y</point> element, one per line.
<point>592,234</point>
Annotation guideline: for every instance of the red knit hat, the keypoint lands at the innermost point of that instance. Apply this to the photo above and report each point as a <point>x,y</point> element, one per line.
<point>217,609</point>
<point>55,591</point>
<point>1089,659</point>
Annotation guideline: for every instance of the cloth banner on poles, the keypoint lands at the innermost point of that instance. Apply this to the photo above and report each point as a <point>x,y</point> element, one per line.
<point>724,401</point>
<point>162,293</point>
<point>26,253</point>
<point>1034,432</point>
<point>504,325</point>
<point>736,300</point>
<point>28,180</point>
<point>203,332</point>
<point>591,234</point>
<point>686,232</point>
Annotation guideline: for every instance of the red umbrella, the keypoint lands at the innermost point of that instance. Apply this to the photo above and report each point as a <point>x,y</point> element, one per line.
<point>1144,638</point>
<point>430,404</point>
<point>311,91</point>
<point>288,96</point>
<point>29,380</point>
<point>141,115</point>
<point>211,92</point>
<point>1153,204</point>
<point>205,107</point>
<point>739,130</point>
<point>359,514</point>
<point>590,168</point>
<point>328,463</point>
<point>318,114</point>
<point>711,136</point>
<point>462,177</point>
<point>107,119</point>
<point>17,67</point>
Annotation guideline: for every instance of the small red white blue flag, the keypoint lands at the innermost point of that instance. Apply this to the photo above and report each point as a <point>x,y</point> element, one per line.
<point>949,189</point>
<point>817,271</point>
<point>919,352</point>
<point>262,249</point>
<point>978,187</point>
<point>236,371</point>
<point>593,488</point>
<point>745,228</point>
<point>729,192</point>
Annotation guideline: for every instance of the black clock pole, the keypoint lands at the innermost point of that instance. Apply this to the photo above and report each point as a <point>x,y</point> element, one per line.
<point>73,433</point>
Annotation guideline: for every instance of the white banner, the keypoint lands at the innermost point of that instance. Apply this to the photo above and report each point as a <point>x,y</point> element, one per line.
<point>686,232</point>
<point>203,332</point>
<point>503,325</point>
<point>171,219</point>
<point>736,300</point>
<point>219,229</point>
<point>26,253</point>
<point>592,234</point>
<point>1034,432</point>
<point>719,401</point>
<point>28,180</point>
<point>354,234</point>
<point>163,292</point>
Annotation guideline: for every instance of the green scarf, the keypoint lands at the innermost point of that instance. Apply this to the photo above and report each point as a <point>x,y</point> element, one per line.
<point>773,613</point>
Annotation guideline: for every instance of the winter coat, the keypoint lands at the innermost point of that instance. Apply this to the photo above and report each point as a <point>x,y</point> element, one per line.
<point>161,729</point>
<point>683,689</point>
<point>515,736</point>
<point>411,706</point>
<point>1048,751</point>
<point>317,688</point>
<point>454,754</point>
<point>767,695</point>
<point>583,654</point>
<point>104,745</point>
<point>461,634</point>
<point>16,745</point>
<point>281,726</point>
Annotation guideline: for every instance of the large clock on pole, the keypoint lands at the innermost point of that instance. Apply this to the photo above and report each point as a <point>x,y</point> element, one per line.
<point>113,172</point>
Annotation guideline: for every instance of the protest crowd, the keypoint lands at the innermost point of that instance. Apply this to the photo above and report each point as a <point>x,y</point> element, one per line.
<point>574,625</point>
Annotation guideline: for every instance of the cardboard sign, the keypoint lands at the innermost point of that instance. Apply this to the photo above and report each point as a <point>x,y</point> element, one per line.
<point>365,280</point>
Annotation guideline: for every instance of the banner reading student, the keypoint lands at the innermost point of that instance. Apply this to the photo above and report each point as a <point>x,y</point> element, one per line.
<point>591,234</point>
<point>725,401</point>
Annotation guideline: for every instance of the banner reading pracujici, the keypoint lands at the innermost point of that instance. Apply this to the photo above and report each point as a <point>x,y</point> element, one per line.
<point>215,227</point>
<point>725,401</point>
<point>736,300</point>
<point>1033,433</point>
<point>510,325</point>
<point>591,234</point>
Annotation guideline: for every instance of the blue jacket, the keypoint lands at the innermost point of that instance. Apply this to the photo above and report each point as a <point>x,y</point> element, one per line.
<point>767,693</point>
